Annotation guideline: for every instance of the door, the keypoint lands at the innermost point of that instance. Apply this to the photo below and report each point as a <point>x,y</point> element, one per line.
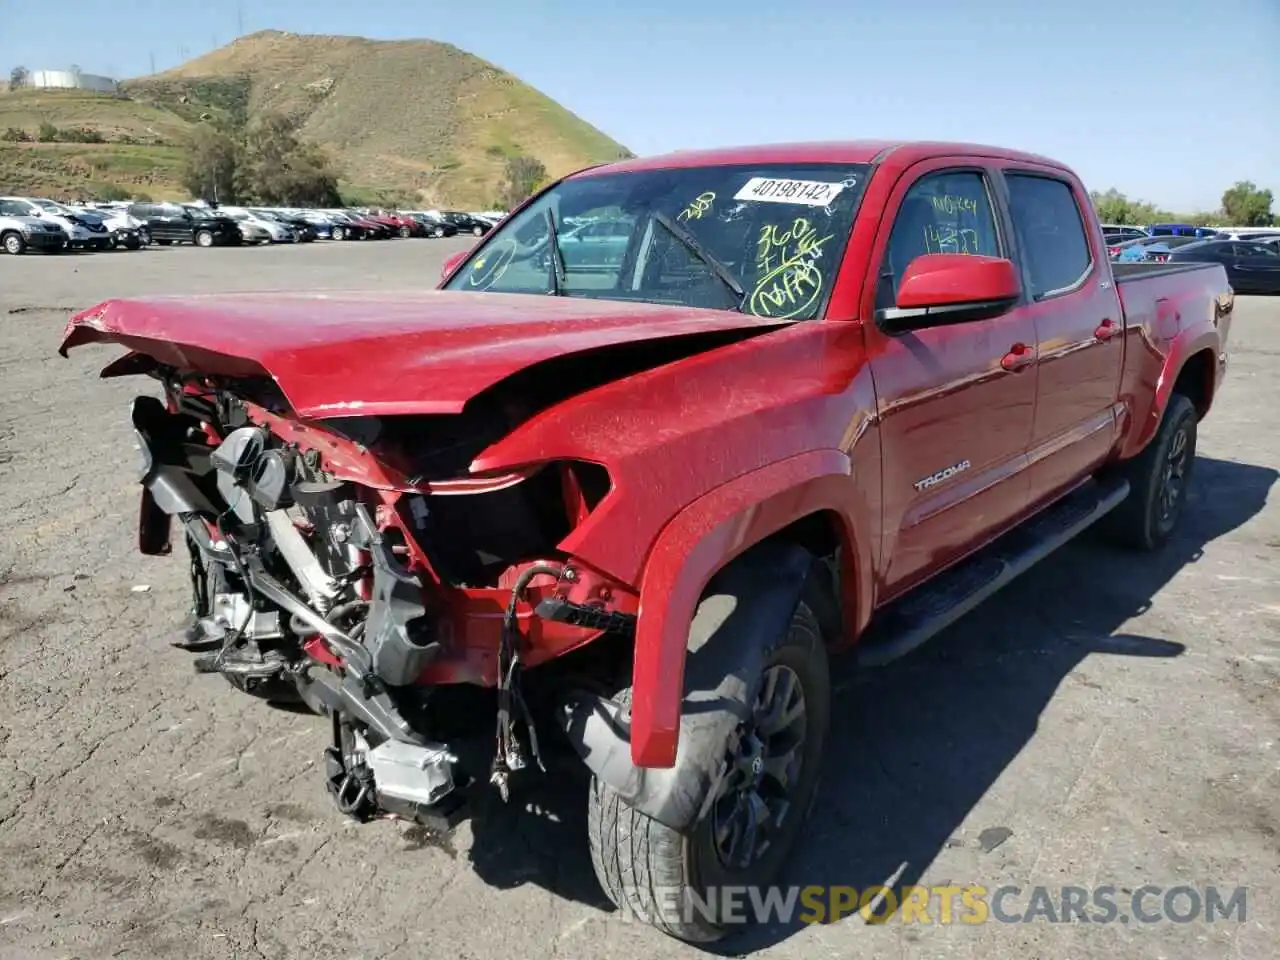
<point>955,402</point>
<point>1079,329</point>
<point>1257,267</point>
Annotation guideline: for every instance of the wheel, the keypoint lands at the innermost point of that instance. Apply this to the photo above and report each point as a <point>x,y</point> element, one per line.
<point>337,233</point>
<point>405,233</point>
<point>1158,481</point>
<point>478,231</point>
<point>13,243</point>
<point>672,880</point>
<point>133,243</point>
<point>438,232</point>
<point>204,238</point>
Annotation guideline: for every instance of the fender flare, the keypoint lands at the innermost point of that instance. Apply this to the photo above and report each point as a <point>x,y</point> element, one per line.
<point>1182,348</point>
<point>746,611</point>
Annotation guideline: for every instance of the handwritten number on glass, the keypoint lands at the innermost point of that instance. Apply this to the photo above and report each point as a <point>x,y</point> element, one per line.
<point>700,205</point>
<point>789,280</point>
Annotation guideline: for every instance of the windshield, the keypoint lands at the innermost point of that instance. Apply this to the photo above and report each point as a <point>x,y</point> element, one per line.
<point>57,208</point>
<point>779,230</point>
<point>198,213</point>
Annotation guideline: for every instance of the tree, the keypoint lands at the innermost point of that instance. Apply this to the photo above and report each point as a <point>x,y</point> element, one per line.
<point>265,162</point>
<point>1247,206</point>
<point>18,78</point>
<point>212,164</point>
<point>524,176</point>
<point>277,167</point>
<point>47,133</point>
<point>1114,207</point>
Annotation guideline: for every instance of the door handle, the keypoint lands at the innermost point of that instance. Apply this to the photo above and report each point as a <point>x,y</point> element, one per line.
<point>1019,356</point>
<point>1106,330</point>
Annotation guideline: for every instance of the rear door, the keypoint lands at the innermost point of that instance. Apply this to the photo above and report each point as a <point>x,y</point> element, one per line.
<point>955,403</point>
<point>1079,327</point>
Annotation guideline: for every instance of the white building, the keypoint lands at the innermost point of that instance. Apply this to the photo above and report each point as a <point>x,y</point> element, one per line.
<point>70,80</point>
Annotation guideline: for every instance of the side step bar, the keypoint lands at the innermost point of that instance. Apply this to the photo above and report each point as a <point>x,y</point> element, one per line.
<point>907,623</point>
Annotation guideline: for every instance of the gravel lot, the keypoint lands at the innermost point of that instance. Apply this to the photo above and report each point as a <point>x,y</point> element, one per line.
<point>1107,720</point>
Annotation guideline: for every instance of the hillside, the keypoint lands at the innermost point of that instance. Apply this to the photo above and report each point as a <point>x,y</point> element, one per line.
<point>411,116</point>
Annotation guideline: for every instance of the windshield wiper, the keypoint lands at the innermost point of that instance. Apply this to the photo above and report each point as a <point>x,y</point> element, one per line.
<point>556,258</point>
<point>699,251</point>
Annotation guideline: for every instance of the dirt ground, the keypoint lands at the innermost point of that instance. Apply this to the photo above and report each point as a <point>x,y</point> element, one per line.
<point>1109,719</point>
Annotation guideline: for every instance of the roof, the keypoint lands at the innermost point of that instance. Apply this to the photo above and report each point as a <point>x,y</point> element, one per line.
<point>844,151</point>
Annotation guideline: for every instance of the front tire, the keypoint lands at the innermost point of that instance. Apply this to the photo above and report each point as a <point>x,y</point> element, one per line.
<point>1159,478</point>
<point>337,233</point>
<point>14,243</point>
<point>478,231</point>
<point>204,238</point>
<point>674,880</point>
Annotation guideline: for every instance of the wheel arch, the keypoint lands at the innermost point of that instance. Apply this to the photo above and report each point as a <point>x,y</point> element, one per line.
<point>807,501</point>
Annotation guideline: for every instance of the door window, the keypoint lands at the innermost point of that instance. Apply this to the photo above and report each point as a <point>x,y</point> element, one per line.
<point>1051,233</point>
<point>945,212</point>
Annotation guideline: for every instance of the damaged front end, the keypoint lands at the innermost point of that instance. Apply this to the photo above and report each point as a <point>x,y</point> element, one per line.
<point>354,565</point>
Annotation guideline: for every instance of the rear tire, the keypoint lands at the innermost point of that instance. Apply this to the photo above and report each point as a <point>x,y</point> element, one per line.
<point>672,880</point>
<point>1159,478</point>
<point>13,242</point>
<point>478,231</point>
<point>204,238</point>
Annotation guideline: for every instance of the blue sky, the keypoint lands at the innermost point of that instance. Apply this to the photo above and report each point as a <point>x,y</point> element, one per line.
<point>1168,100</point>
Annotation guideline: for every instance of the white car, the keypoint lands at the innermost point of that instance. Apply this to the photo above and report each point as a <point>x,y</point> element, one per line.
<point>18,232</point>
<point>255,227</point>
<point>125,230</point>
<point>78,232</point>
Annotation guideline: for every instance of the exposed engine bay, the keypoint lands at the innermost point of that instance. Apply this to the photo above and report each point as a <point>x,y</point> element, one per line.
<point>333,566</point>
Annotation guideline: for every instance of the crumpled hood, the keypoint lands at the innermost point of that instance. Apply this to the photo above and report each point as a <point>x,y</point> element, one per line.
<point>380,353</point>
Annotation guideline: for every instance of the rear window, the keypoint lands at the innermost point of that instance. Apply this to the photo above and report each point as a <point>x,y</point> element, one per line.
<point>1051,231</point>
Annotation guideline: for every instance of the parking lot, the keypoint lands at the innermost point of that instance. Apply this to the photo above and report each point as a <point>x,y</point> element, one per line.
<point>1109,719</point>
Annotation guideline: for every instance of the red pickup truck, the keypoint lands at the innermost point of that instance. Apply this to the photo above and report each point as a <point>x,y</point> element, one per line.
<point>791,400</point>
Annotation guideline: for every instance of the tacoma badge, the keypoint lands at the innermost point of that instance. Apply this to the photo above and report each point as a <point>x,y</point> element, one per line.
<point>944,474</point>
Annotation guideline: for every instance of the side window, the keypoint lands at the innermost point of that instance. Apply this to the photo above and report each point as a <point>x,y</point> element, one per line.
<point>946,212</point>
<point>1051,232</point>
<point>1258,250</point>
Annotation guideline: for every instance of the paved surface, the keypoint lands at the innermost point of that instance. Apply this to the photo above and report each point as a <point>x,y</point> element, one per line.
<point>1108,720</point>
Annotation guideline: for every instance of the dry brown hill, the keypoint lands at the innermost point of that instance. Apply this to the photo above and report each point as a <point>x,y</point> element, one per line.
<point>410,116</point>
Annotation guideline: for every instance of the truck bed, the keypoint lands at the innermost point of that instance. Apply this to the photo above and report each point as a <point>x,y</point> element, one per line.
<point>1189,291</point>
<point>1127,272</point>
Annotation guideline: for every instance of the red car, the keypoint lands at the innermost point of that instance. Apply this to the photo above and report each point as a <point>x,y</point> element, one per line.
<point>403,224</point>
<point>826,397</point>
<point>390,225</point>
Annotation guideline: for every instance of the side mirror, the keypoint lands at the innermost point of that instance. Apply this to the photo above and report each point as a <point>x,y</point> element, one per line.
<point>938,289</point>
<point>451,264</point>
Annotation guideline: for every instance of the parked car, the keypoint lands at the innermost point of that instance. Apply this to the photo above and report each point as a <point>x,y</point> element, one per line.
<point>433,226</point>
<point>402,224</point>
<point>125,231</point>
<point>1154,249</point>
<point>467,223</point>
<point>1117,234</point>
<point>346,227</point>
<point>275,231</point>
<point>20,231</point>
<point>303,231</point>
<point>80,232</point>
<point>826,401</point>
<point>1251,267</point>
<point>169,223</point>
<point>1180,230</point>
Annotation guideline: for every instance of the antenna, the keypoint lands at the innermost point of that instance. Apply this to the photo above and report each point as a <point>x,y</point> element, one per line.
<point>153,61</point>
<point>239,18</point>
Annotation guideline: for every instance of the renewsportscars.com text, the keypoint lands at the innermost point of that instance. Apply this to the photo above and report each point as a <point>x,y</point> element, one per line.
<point>954,903</point>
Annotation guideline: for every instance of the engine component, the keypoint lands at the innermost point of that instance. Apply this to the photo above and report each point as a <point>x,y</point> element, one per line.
<point>397,632</point>
<point>319,586</point>
<point>416,774</point>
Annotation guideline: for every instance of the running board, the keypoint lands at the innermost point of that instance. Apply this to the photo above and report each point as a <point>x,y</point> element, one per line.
<point>907,623</point>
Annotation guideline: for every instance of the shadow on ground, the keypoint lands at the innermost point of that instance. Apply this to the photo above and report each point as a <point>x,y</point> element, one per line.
<point>916,744</point>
